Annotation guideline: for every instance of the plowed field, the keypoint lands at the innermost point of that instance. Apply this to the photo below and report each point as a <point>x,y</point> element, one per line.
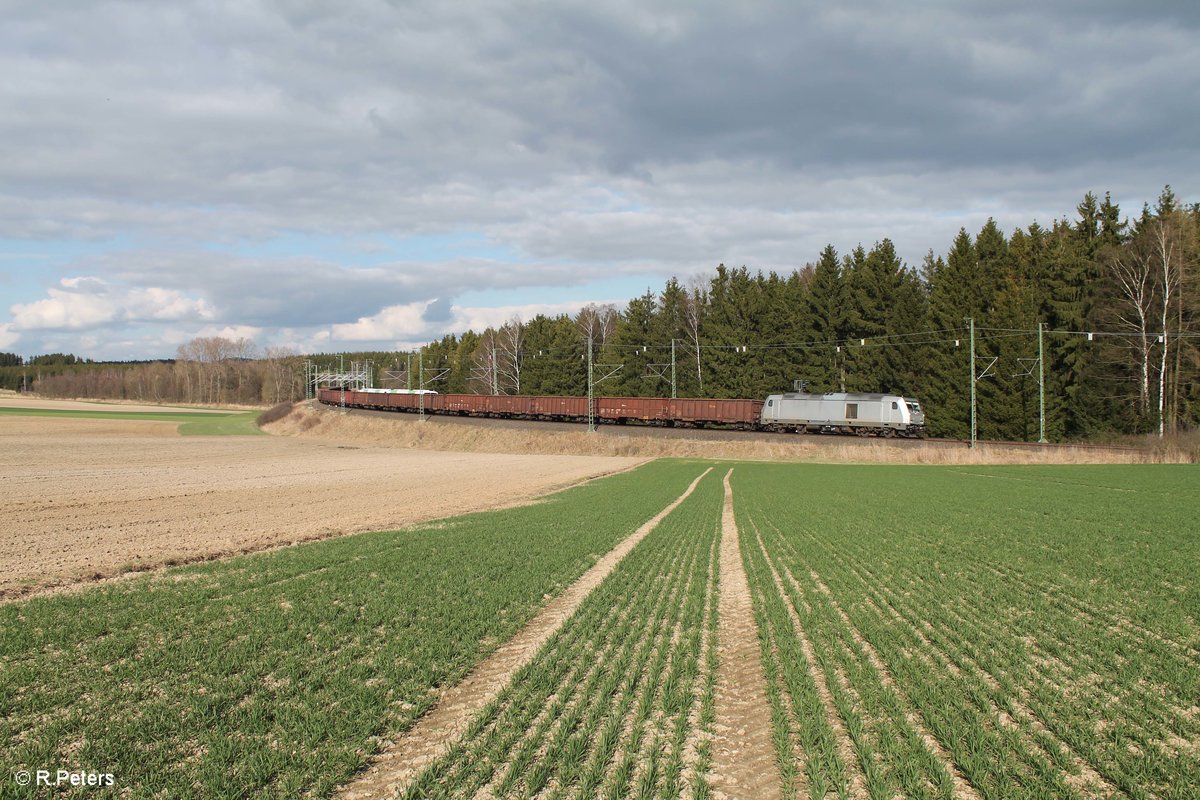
<point>92,498</point>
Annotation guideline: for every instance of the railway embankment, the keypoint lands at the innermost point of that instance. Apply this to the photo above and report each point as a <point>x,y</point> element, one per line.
<point>312,420</point>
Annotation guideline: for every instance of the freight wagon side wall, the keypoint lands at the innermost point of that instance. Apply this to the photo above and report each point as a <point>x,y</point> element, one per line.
<point>728,412</point>
<point>639,408</point>
<point>566,407</point>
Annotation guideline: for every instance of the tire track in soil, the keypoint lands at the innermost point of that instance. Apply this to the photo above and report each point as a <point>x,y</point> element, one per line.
<point>393,769</point>
<point>743,750</point>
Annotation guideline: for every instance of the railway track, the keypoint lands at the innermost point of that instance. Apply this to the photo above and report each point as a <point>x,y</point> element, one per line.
<point>715,434</point>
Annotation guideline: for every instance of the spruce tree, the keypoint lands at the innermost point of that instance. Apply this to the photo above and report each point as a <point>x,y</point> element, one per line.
<point>629,345</point>
<point>554,362</point>
<point>874,283</point>
<point>733,367</point>
<point>669,325</point>
<point>952,298</point>
<point>827,321</point>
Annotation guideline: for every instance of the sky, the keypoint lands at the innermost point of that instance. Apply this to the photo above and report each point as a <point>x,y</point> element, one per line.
<point>373,175</point>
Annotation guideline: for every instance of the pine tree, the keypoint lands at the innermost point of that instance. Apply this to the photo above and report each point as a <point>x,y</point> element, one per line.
<point>795,328</point>
<point>1078,305</point>
<point>783,327</point>
<point>538,361</point>
<point>459,379</point>
<point>909,317</point>
<point>994,266</point>
<point>1008,402</point>
<point>1032,253</point>
<point>437,360</point>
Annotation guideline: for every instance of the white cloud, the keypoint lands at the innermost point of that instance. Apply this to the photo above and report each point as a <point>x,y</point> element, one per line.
<point>393,322</point>
<point>8,337</point>
<point>479,318</point>
<point>86,302</point>
<point>64,310</point>
<point>232,332</point>
<point>409,323</point>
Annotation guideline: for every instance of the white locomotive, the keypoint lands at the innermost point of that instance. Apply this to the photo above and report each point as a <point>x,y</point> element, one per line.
<point>843,412</point>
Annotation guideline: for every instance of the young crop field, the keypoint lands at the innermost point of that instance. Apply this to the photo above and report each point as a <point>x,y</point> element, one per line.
<point>933,632</point>
<point>619,702</point>
<point>191,423</point>
<point>277,674</point>
<point>978,632</point>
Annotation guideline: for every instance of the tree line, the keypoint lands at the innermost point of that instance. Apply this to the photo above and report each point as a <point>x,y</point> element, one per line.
<point>1116,300</point>
<point>206,370</point>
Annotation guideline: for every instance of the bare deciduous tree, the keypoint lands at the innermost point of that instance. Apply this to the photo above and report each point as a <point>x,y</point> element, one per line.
<point>597,323</point>
<point>281,371</point>
<point>1167,249</point>
<point>485,370</point>
<point>510,340</point>
<point>1132,268</point>
<point>693,315</point>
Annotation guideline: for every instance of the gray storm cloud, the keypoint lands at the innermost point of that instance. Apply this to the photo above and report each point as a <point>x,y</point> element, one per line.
<point>586,139</point>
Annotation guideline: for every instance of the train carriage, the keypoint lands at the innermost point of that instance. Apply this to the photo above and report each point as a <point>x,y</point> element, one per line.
<point>834,412</point>
<point>697,411</point>
<point>632,409</point>
<point>559,408</point>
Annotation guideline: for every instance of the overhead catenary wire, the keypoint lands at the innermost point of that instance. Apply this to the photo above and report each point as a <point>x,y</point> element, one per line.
<point>948,337</point>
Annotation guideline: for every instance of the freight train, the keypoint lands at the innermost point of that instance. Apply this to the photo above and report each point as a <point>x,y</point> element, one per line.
<point>796,412</point>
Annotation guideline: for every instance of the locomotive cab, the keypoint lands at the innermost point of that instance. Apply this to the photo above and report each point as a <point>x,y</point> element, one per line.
<point>916,415</point>
<point>859,413</point>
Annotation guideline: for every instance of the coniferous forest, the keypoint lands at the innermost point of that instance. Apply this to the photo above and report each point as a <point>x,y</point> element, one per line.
<point>1117,298</point>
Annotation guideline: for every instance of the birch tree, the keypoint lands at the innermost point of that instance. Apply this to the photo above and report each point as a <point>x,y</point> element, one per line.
<point>510,344</point>
<point>1132,269</point>
<point>1167,252</point>
<point>695,301</point>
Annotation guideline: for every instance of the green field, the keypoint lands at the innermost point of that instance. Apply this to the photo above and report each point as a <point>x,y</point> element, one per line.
<point>1017,631</point>
<point>268,675</point>
<point>1040,622</point>
<point>209,423</point>
<point>605,707</point>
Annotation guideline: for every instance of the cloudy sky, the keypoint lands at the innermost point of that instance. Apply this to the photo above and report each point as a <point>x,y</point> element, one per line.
<point>375,173</point>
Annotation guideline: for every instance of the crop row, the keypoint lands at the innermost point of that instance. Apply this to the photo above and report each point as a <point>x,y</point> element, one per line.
<point>278,674</point>
<point>619,703</point>
<point>964,632</point>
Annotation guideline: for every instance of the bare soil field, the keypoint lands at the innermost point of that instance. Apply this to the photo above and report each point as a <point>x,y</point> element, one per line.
<point>87,499</point>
